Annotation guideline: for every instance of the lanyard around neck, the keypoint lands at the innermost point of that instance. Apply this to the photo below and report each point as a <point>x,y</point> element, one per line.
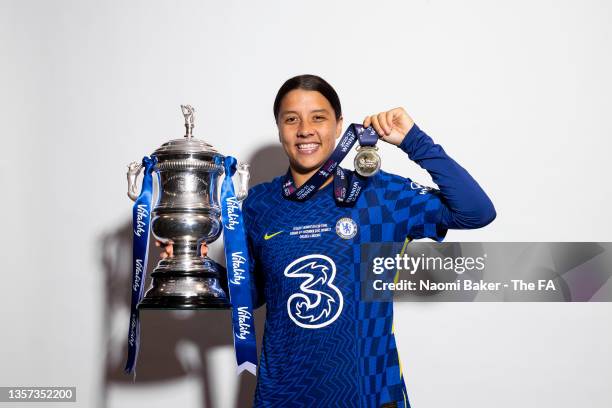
<point>347,186</point>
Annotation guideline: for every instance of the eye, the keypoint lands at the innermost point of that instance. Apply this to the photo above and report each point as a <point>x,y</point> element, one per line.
<point>319,118</point>
<point>290,119</point>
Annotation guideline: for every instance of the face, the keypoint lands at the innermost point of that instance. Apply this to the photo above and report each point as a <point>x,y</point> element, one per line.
<point>308,129</point>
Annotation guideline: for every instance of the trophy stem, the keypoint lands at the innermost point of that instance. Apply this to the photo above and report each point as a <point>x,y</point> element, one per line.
<point>186,248</point>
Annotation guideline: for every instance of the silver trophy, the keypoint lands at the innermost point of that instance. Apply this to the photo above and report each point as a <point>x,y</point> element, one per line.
<point>187,213</point>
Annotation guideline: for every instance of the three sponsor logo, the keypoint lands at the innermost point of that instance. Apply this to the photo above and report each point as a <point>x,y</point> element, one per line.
<point>416,186</point>
<point>319,302</point>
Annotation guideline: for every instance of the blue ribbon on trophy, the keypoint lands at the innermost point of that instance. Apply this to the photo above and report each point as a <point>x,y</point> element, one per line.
<point>347,186</point>
<point>141,221</point>
<point>238,273</point>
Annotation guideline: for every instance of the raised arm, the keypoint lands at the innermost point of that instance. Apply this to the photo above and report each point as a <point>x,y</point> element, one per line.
<point>466,205</point>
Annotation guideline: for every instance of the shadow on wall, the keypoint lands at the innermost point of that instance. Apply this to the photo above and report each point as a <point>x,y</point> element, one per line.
<point>174,344</point>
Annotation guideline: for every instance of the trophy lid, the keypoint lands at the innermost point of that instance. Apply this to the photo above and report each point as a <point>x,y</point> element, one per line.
<point>187,144</point>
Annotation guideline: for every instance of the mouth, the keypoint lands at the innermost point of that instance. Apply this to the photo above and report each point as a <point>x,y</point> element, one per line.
<point>308,148</point>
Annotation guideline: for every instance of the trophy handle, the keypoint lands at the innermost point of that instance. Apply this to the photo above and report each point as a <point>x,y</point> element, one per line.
<point>243,181</point>
<point>134,169</point>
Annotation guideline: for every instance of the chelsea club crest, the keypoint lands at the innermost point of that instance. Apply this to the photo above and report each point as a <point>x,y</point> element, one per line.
<point>346,228</point>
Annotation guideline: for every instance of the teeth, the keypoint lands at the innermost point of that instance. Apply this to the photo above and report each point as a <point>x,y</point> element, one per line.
<point>307,146</point>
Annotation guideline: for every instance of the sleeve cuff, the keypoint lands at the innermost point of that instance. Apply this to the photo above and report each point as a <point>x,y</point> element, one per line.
<point>411,140</point>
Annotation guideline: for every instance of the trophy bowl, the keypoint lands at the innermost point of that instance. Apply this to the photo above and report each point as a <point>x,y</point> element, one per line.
<point>187,214</point>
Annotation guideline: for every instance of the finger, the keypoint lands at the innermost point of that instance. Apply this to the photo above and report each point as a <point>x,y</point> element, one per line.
<point>390,116</point>
<point>157,243</point>
<point>169,250</point>
<point>382,119</point>
<point>376,125</point>
<point>367,121</point>
<point>163,255</point>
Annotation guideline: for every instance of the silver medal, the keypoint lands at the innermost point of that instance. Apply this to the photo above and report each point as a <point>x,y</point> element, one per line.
<point>367,161</point>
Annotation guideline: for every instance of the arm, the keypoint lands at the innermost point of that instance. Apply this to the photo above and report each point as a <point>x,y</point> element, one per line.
<point>257,281</point>
<point>257,284</point>
<point>465,204</point>
<point>256,273</point>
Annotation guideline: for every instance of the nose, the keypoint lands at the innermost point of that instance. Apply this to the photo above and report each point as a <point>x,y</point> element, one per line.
<point>305,130</point>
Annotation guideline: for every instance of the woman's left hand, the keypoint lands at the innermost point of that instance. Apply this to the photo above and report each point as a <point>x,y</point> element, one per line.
<point>392,126</point>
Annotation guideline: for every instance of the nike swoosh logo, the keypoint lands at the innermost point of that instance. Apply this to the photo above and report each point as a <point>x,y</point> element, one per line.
<point>267,237</point>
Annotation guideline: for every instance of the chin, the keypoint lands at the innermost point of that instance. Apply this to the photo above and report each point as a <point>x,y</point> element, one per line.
<point>306,166</point>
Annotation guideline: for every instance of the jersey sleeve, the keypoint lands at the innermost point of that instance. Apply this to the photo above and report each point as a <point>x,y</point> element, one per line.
<point>256,274</point>
<point>257,279</point>
<point>465,204</point>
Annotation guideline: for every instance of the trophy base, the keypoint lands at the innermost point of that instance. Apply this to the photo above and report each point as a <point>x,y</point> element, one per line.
<point>186,283</point>
<point>183,303</point>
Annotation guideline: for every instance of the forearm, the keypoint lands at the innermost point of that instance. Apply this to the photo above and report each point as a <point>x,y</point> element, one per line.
<point>466,204</point>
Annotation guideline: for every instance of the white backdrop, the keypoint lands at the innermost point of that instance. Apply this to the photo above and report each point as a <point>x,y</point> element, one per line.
<point>516,92</point>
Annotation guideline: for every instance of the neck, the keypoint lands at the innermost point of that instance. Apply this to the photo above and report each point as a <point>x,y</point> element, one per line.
<point>300,178</point>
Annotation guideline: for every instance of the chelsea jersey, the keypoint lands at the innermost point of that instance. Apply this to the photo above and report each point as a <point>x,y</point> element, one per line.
<point>323,345</point>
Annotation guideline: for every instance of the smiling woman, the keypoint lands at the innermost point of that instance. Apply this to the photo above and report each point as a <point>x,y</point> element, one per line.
<point>309,119</point>
<point>323,344</point>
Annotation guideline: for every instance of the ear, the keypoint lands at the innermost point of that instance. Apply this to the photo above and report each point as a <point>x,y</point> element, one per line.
<point>339,127</point>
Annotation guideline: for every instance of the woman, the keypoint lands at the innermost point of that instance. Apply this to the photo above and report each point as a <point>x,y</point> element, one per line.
<point>323,345</point>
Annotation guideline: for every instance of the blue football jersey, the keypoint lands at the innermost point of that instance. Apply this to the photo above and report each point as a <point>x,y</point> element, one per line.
<point>325,346</point>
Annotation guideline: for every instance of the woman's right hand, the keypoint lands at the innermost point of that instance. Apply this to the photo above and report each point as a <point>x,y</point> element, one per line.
<point>167,249</point>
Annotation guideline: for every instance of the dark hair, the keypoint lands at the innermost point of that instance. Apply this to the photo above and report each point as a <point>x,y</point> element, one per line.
<point>308,83</point>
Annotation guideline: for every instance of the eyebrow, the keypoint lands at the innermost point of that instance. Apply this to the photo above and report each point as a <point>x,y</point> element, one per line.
<point>313,111</point>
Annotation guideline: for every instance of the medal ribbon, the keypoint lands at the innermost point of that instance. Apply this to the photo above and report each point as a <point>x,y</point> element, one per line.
<point>141,221</point>
<point>344,195</point>
<point>238,273</point>
<point>347,187</point>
